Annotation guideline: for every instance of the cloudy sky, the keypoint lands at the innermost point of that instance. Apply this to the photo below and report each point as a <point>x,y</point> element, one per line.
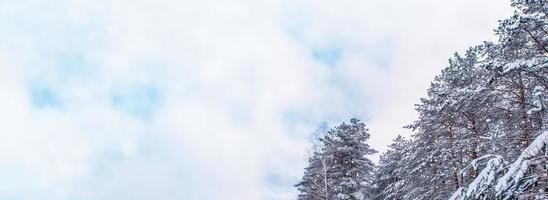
<point>206,100</point>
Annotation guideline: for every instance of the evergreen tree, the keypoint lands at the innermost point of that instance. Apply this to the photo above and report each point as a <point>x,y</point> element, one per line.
<point>340,168</point>
<point>353,177</point>
<point>389,179</point>
<point>317,183</point>
<point>486,108</point>
<point>481,131</point>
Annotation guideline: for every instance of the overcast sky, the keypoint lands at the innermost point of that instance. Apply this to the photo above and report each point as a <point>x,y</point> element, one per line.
<point>205,100</point>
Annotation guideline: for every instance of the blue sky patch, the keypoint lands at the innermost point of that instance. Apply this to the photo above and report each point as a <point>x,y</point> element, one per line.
<point>329,56</point>
<point>71,63</point>
<point>139,101</point>
<point>43,96</point>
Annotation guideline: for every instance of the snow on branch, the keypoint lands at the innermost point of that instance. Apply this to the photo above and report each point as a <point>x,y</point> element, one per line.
<point>519,167</point>
<point>484,180</point>
<point>512,181</point>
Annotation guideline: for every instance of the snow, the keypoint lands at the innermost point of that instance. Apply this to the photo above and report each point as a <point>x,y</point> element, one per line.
<point>484,180</point>
<point>520,166</point>
<point>538,102</point>
<point>495,165</point>
<point>519,64</point>
<point>486,177</point>
<point>459,194</point>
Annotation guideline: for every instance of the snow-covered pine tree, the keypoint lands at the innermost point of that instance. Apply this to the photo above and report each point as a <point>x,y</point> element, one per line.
<point>486,108</point>
<point>482,186</point>
<point>353,171</point>
<point>340,169</point>
<point>389,181</point>
<point>317,183</point>
<point>519,64</point>
<point>519,180</point>
<point>527,176</point>
<point>491,101</point>
<point>519,67</point>
<point>452,121</point>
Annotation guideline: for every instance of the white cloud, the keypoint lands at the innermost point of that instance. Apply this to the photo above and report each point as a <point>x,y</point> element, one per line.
<point>235,87</point>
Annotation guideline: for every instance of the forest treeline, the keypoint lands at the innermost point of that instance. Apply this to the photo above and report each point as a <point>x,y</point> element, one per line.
<point>481,131</point>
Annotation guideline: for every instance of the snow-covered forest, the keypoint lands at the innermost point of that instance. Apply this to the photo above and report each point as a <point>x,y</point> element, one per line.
<point>481,131</point>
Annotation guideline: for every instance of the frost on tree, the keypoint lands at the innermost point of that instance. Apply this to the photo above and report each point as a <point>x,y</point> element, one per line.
<point>530,168</point>
<point>480,186</point>
<point>340,170</point>
<point>501,181</point>
<point>388,180</point>
<point>486,107</point>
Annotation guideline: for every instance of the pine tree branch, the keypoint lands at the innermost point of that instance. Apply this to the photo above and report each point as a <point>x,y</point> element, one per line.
<point>536,40</point>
